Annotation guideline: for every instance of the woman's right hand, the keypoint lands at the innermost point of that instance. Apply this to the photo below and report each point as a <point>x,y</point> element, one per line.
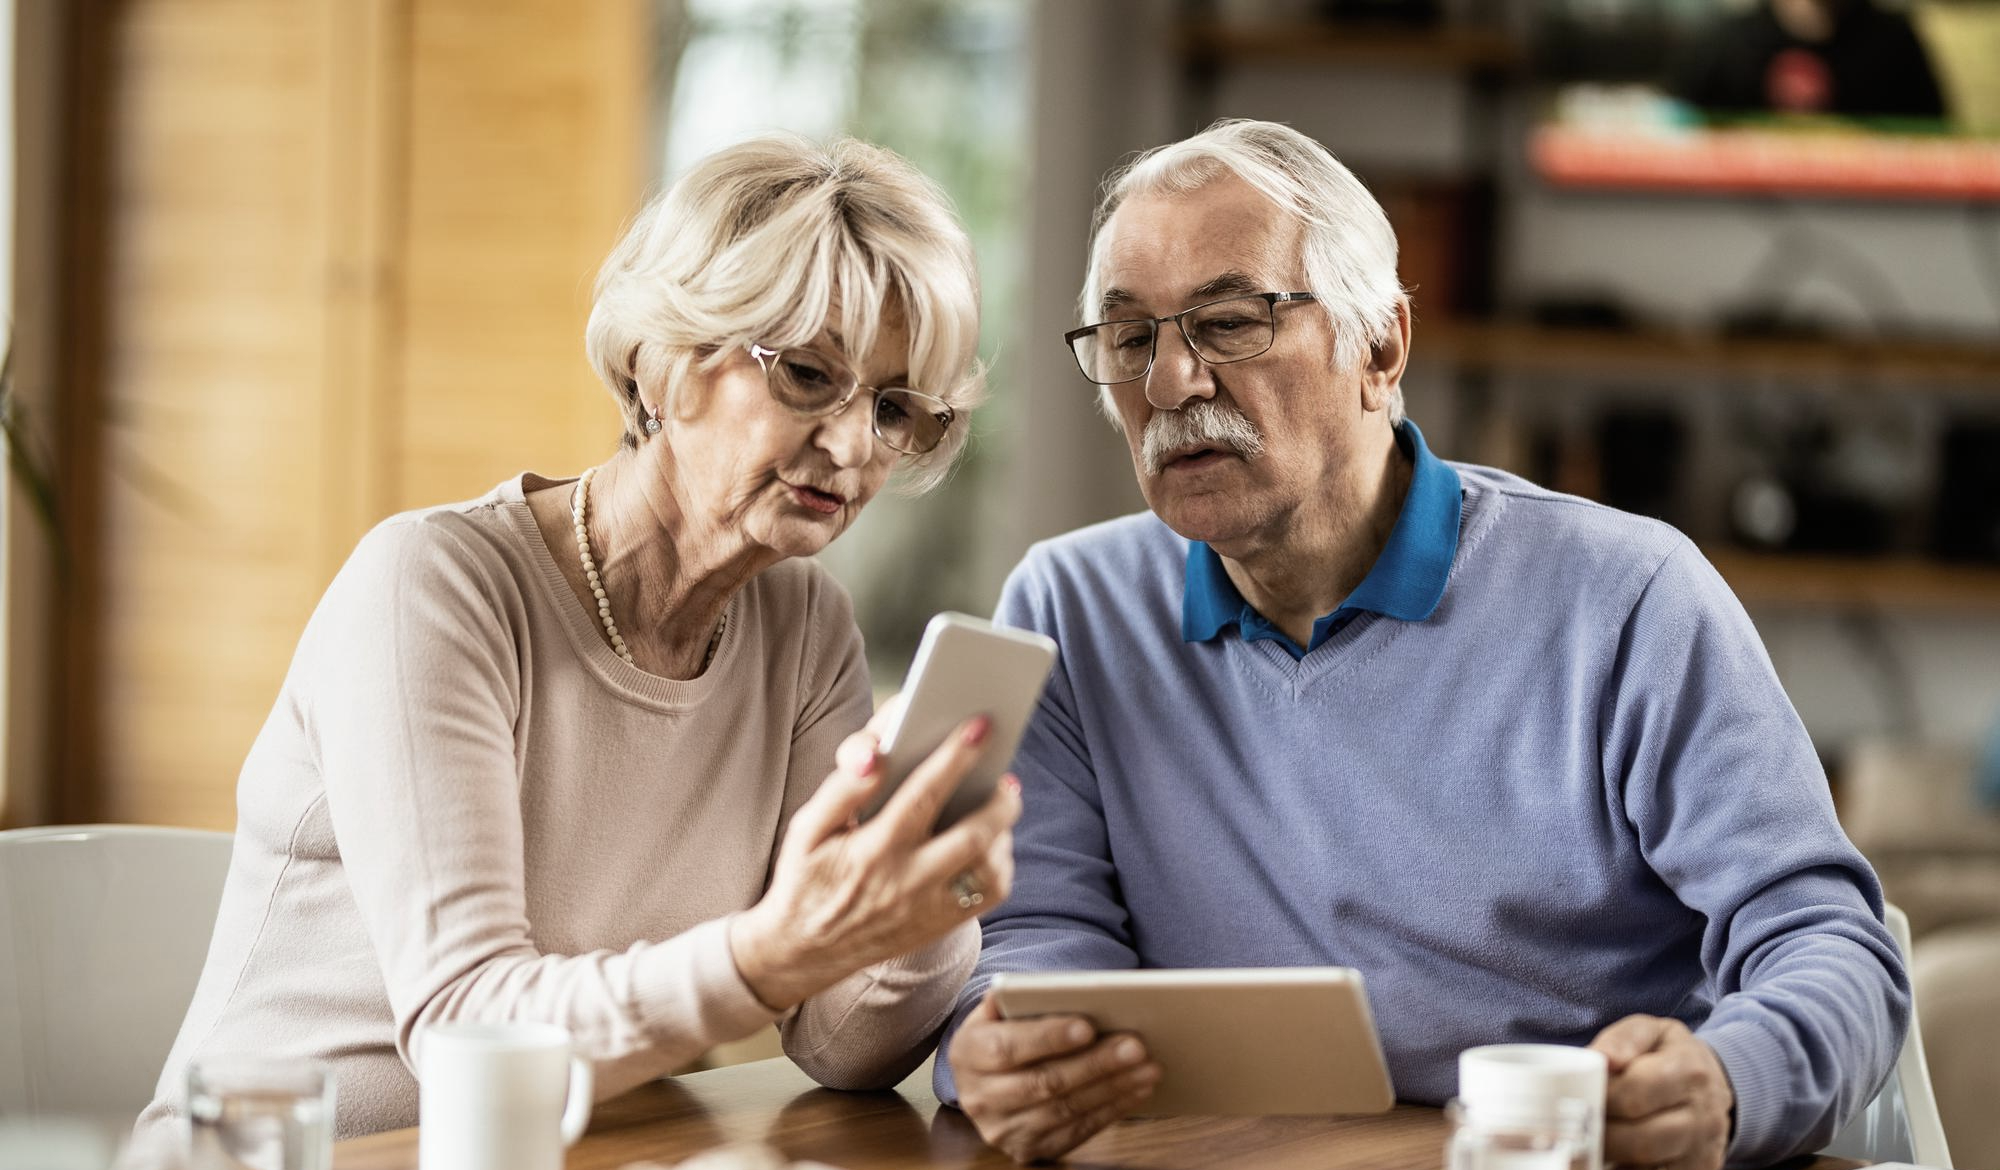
<point>845,895</point>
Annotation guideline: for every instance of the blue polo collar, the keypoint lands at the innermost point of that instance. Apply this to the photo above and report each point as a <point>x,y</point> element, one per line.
<point>1406,582</point>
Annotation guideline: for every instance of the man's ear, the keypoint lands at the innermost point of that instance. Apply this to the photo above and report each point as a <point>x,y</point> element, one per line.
<point>1382,370</point>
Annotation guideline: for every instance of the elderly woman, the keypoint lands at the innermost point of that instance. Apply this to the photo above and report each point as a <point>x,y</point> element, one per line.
<point>567,752</point>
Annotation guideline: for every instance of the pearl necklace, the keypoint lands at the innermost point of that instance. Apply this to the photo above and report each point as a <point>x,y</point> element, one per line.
<point>578,505</point>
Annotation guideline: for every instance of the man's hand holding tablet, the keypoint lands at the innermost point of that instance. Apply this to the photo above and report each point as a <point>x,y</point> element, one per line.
<point>1049,1058</point>
<point>1038,1088</point>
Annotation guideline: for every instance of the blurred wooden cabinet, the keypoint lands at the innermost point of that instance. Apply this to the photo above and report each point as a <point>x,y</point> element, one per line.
<point>336,258</point>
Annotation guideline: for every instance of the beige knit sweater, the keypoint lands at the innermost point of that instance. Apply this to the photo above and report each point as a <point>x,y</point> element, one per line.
<point>465,806</point>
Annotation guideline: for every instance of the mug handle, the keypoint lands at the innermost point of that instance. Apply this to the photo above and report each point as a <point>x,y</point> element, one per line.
<point>576,1113</point>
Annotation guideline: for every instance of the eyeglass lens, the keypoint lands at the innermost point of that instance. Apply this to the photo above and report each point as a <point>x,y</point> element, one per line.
<point>810,384</point>
<point>1221,331</point>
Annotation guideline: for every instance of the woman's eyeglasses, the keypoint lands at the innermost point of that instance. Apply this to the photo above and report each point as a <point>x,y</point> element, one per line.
<point>813,385</point>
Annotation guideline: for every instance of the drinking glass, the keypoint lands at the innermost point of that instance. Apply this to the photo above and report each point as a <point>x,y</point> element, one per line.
<point>260,1113</point>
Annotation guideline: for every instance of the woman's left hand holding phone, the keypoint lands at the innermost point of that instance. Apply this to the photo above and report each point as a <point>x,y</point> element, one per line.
<point>846,894</point>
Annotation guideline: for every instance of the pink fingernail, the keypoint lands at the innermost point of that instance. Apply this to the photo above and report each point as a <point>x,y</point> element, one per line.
<point>870,767</point>
<point>1013,785</point>
<point>976,733</point>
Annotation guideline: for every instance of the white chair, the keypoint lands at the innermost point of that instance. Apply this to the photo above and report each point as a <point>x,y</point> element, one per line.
<point>1901,1124</point>
<point>1954,973</point>
<point>103,932</point>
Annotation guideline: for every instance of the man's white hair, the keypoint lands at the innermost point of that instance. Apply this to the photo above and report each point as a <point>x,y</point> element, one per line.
<point>1349,248</point>
<point>775,240</point>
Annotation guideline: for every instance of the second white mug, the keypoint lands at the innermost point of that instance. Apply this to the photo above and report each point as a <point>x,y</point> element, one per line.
<point>1512,1083</point>
<point>499,1097</point>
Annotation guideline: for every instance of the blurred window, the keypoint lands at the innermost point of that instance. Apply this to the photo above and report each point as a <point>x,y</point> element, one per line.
<point>944,83</point>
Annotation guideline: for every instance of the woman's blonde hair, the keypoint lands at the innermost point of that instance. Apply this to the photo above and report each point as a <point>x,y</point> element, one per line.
<point>775,240</point>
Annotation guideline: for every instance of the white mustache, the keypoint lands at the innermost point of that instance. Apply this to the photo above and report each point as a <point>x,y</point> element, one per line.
<point>1205,421</point>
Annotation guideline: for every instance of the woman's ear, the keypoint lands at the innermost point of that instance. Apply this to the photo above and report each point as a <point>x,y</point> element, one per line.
<point>687,380</point>
<point>645,415</point>
<point>632,373</point>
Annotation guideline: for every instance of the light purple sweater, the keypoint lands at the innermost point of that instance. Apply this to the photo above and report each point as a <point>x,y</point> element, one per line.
<point>1575,791</point>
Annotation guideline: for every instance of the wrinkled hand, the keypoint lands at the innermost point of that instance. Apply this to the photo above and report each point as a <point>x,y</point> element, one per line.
<point>1669,1102</point>
<point>844,895</point>
<point>1038,1088</point>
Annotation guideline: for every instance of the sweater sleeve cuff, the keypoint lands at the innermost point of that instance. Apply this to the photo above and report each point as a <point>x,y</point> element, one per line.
<point>699,987</point>
<point>914,990</point>
<point>943,1084</point>
<point>1760,1077</point>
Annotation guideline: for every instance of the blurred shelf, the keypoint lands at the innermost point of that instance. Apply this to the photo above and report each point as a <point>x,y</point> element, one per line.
<point>1847,165</point>
<point>1504,347</point>
<point>1904,583</point>
<point>1445,48</point>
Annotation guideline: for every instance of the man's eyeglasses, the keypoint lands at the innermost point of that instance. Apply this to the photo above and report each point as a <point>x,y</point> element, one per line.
<point>1228,330</point>
<point>809,384</point>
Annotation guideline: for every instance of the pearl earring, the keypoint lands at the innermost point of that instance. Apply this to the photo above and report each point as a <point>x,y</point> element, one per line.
<point>653,426</point>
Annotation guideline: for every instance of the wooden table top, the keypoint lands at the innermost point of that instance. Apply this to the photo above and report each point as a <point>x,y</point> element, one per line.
<point>771,1102</point>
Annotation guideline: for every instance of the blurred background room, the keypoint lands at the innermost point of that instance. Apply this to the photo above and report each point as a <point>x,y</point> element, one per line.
<point>282,268</point>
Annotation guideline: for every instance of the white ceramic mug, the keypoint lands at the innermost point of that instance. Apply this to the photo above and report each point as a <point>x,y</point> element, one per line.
<point>499,1097</point>
<point>1526,1083</point>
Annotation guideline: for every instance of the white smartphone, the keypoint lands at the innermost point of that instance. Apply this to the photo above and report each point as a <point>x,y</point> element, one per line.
<point>965,667</point>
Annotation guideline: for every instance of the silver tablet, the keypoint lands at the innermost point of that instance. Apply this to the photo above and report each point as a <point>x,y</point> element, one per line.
<point>1240,1040</point>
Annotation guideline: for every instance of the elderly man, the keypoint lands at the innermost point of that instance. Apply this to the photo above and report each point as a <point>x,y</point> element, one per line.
<point>1518,758</point>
